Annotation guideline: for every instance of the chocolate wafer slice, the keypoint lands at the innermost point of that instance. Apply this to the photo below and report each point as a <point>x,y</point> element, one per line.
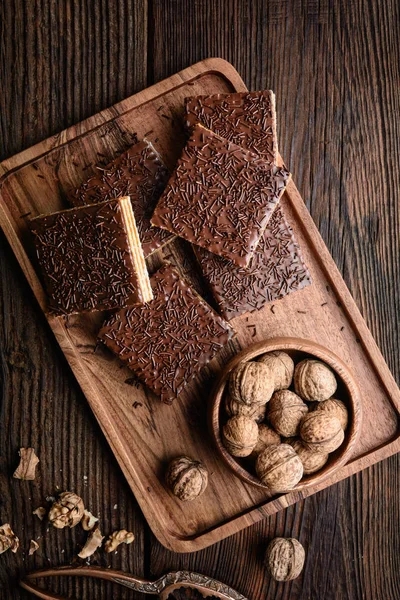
<point>91,257</point>
<point>220,196</point>
<point>167,341</point>
<point>139,173</point>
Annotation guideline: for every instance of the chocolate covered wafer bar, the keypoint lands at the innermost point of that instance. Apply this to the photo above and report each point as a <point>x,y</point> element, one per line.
<point>139,173</point>
<point>220,196</point>
<point>168,340</point>
<point>275,270</point>
<point>91,257</point>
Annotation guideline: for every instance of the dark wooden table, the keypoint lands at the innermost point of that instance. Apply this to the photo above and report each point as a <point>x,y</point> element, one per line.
<point>334,66</point>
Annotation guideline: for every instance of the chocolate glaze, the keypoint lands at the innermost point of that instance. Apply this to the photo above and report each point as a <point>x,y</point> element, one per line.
<point>139,173</point>
<point>166,341</point>
<point>276,269</point>
<point>85,259</point>
<point>220,196</point>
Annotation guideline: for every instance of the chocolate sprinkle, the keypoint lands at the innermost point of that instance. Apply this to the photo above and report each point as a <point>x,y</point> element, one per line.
<point>167,341</point>
<point>275,270</point>
<point>139,173</point>
<point>85,258</point>
<point>220,196</point>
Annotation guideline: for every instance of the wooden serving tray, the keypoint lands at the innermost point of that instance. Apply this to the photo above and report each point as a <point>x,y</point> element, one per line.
<point>143,433</point>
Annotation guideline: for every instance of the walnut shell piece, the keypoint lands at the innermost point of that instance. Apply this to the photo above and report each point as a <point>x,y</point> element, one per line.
<point>94,541</point>
<point>335,408</point>
<point>67,511</point>
<point>285,411</point>
<point>284,558</point>
<point>279,468</point>
<point>27,464</point>
<point>266,437</point>
<point>233,408</point>
<point>321,432</point>
<point>88,520</point>
<point>251,383</point>
<point>186,478</point>
<point>40,512</point>
<point>314,380</point>
<point>240,435</point>
<point>281,366</point>
<point>33,546</point>
<point>312,461</point>
<point>118,537</point>
<point>8,539</point>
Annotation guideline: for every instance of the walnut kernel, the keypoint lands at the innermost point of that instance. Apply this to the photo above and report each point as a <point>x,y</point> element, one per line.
<point>233,408</point>
<point>67,511</point>
<point>284,559</point>
<point>279,468</point>
<point>335,408</point>
<point>27,464</point>
<point>321,432</point>
<point>239,435</point>
<point>312,461</point>
<point>314,380</point>
<point>266,437</point>
<point>281,366</point>
<point>251,383</point>
<point>186,478</point>
<point>285,411</point>
<point>117,538</point>
<point>8,539</point>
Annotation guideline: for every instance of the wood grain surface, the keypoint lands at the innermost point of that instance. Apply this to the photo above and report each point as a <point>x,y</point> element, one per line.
<point>335,69</point>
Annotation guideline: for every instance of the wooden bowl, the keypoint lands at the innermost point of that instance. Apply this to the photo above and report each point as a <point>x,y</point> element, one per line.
<point>298,349</point>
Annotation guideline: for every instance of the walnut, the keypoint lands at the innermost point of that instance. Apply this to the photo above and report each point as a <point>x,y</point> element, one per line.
<point>279,468</point>
<point>321,432</point>
<point>8,539</point>
<point>254,411</point>
<point>284,559</point>
<point>251,383</point>
<point>117,538</point>
<point>314,380</point>
<point>239,435</point>
<point>67,511</point>
<point>33,546</point>
<point>285,411</point>
<point>335,408</point>
<point>186,478</point>
<point>27,464</point>
<point>266,437</point>
<point>94,541</point>
<point>281,366</point>
<point>40,512</point>
<point>88,520</point>
<point>312,461</point>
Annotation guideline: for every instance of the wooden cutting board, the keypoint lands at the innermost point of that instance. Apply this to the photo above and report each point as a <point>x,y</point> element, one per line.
<point>143,433</point>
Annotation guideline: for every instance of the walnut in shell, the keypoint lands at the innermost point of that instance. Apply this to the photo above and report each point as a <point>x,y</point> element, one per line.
<point>8,539</point>
<point>279,468</point>
<point>251,383</point>
<point>118,537</point>
<point>233,408</point>
<point>312,461</point>
<point>281,366</point>
<point>321,432</point>
<point>240,435</point>
<point>335,408</point>
<point>27,464</point>
<point>314,380</point>
<point>266,437</point>
<point>94,541</point>
<point>285,411</point>
<point>186,478</point>
<point>67,511</point>
<point>284,559</point>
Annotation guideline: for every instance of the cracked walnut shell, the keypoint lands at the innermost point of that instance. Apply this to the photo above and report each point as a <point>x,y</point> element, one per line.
<point>8,539</point>
<point>186,478</point>
<point>27,464</point>
<point>67,511</point>
<point>312,461</point>
<point>335,408</point>
<point>321,432</point>
<point>279,468</point>
<point>251,383</point>
<point>94,541</point>
<point>314,380</point>
<point>254,411</point>
<point>281,366</point>
<point>240,435</point>
<point>284,559</point>
<point>285,411</point>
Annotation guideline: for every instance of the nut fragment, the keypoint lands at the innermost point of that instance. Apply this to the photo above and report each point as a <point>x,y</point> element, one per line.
<point>251,383</point>
<point>285,411</point>
<point>281,366</point>
<point>321,432</point>
<point>40,512</point>
<point>266,437</point>
<point>27,464</point>
<point>186,478</point>
<point>284,559</point>
<point>279,468</point>
<point>8,539</point>
<point>234,408</point>
<point>314,380</point>
<point>67,511</point>
<point>336,408</point>
<point>88,520</point>
<point>117,538</point>
<point>239,435</point>
<point>93,542</point>
<point>33,546</point>
<point>312,461</point>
